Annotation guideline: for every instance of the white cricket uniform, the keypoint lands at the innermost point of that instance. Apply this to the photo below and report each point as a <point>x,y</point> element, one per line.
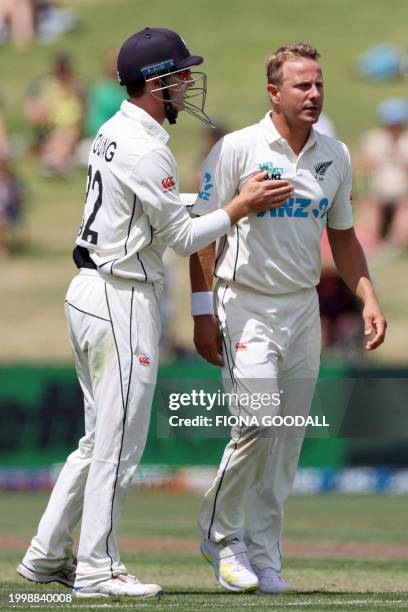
<point>132,212</point>
<point>267,268</point>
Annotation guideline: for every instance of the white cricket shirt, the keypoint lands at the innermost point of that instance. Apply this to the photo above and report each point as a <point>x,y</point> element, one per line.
<point>277,251</point>
<point>133,208</point>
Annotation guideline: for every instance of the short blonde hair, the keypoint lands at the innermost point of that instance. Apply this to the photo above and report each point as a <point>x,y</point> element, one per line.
<point>275,61</point>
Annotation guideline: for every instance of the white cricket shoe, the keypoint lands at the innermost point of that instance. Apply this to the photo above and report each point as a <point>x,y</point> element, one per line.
<point>65,576</point>
<point>232,569</point>
<point>124,585</point>
<point>270,581</point>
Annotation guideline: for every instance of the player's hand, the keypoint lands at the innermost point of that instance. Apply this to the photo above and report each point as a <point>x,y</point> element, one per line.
<point>208,339</point>
<point>265,194</point>
<point>258,194</point>
<point>374,321</point>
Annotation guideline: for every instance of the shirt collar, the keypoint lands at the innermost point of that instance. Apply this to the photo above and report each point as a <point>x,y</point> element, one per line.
<point>149,124</point>
<point>272,135</point>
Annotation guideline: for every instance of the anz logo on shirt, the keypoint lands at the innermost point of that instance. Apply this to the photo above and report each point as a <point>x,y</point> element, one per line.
<point>299,208</point>
<point>206,187</point>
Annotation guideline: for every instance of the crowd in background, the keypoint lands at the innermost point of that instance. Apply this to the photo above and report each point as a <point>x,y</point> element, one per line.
<point>23,22</point>
<point>11,192</point>
<point>64,117</point>
<point>382,165</point>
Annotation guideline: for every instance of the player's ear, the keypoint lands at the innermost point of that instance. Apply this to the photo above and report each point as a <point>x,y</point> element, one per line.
<point>273,93</point>
<point>153,84</point>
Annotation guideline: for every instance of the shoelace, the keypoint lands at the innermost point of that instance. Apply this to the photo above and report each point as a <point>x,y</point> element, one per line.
<point>239,561</point>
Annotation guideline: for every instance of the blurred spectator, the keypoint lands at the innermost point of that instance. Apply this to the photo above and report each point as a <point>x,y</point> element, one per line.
<point>382,62</point>
<point>11,193</point>
<point>22,21</point>
<point>17,20</point>
<point>3,137</point>
<point>341,322</point>
<point>55,108</point>
<point>53,21</point>
<point>382,163</point>
<point>104,100</point>
<point>11,205</point>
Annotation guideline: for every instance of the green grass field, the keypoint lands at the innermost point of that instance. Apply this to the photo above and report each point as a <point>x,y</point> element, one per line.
<point>235,38</point>
<point>343,553</point>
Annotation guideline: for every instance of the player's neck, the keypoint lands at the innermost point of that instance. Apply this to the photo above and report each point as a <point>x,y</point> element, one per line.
<point>295,135</point>
<point>150,106</point>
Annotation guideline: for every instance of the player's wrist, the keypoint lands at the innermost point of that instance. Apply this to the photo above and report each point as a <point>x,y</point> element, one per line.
<point>238,208</point>
<point>202,303</point>
<point>365,291</point>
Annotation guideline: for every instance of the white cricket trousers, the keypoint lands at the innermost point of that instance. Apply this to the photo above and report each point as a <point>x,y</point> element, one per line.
<point>114,329</point>
<point>271,344</point>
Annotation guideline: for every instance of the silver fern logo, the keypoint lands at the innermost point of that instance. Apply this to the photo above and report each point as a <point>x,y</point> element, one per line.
<point>321,169</point>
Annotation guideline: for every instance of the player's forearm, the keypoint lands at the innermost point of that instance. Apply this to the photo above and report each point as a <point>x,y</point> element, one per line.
<point>351,263</point>
<point>202,266</point>
<point>238,207</point>
<point>187,236</point>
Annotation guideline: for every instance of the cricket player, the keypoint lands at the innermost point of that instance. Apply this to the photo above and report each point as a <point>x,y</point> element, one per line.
<point>266,323</point>
<point>133,210</point>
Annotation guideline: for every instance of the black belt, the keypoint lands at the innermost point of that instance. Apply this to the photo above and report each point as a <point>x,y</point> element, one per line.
<point>82,258</point>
